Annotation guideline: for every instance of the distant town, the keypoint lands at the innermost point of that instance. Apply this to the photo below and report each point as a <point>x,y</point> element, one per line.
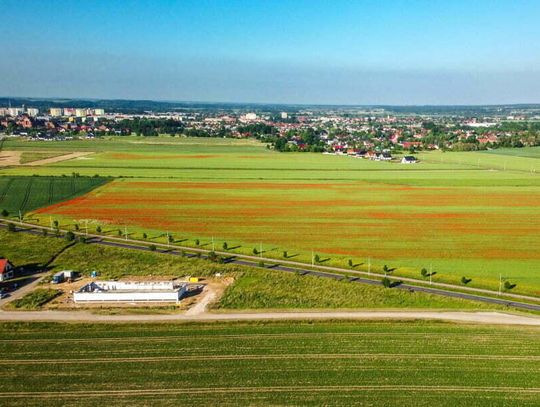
<point>372,133</point>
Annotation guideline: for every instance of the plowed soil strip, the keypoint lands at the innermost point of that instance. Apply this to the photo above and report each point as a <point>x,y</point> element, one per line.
<point>303,356</point>
<point>273,389</point>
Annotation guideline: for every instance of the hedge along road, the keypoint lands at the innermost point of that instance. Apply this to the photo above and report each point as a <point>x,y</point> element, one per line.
<point>286,266</point>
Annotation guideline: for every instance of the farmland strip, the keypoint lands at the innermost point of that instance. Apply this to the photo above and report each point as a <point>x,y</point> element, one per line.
<point>302,356</point>
<point>270,389</point>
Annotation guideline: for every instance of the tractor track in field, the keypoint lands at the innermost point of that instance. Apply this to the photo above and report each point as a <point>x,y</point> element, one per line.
<point>302,356</point>
<point>6,189</point>
<point>27,194</point>
<point>246,336</point>
<point>266,389</point>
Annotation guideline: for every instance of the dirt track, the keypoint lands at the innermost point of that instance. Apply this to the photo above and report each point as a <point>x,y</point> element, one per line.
<point>8,158</point>
<point>85,316</point>
<point>59,158</point>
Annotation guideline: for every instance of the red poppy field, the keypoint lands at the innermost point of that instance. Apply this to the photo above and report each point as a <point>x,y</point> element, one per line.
<point>457,230</point>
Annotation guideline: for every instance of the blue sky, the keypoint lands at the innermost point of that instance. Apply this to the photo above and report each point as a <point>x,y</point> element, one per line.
<point>336,52</point>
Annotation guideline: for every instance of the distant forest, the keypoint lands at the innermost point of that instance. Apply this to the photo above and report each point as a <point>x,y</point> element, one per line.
<point>141,106</point>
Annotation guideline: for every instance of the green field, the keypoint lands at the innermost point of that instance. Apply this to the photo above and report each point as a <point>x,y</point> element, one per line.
<point>300,363</point>
<point>31,192</point>
<point>471,215</point>
<point>252,288</point>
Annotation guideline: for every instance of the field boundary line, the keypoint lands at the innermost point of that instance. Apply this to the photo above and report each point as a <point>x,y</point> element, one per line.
<point>307,356</point>
<point>268,389</point>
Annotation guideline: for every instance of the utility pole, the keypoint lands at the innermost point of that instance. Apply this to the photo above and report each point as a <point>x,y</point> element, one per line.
<point>20,216</point>
<point>86,227</point>
<point>430,272</point>
<point>213,247</point>
<point>312,258</point>
<point>50,217</point>
<point>369,266</point>
<point>500,284</point>
<point>260,250</point>
<point>125,232</point>
<point>168,240</point>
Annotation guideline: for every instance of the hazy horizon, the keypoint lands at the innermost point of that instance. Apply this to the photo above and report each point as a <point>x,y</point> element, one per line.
<point>306,52</point>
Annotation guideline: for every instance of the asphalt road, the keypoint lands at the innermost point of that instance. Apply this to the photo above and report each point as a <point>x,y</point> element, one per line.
<point>323,274</point>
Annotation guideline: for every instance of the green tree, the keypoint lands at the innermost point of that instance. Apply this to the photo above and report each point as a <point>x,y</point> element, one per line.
<point>70,236</point>
<point>98,229</point>
<point>225,246</point>
<point>5,213</point>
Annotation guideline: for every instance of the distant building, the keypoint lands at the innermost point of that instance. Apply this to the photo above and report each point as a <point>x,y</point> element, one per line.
<point>33,112</point>
<point>15,111</point>
<point>55,111</point>
<point>251,116</point>
<point>7,270</point>
<point>69,111</point>
<point>81,112</point>
<point>408,159</point>
<point>284,115</point>
<point>99,112</point>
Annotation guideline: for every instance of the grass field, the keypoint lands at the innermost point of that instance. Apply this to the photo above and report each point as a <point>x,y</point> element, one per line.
<point>300,363</point>
<point>455,212</point>
<point>31,192</point>
<point>252,289</point>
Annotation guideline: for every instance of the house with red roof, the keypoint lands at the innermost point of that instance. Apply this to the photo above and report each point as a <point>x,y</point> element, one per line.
<point>7,270</point>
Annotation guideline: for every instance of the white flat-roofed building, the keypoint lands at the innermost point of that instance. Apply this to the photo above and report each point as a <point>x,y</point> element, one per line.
<point>55,111</point>
<point>32,111</point>
<point>130,291</point>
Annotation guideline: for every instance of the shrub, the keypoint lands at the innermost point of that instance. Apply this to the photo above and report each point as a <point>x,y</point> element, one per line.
<point>212,256</point>
<point>197,242</point>
<point>152,247</point>
<point>225,246</point>
<point>350,263</point>
<point>317,258</point>
<point>255,251</point>
<point>424,272</point>
<point>261,263</point>
<point>465,280</point>
<point>144,236</point>
<point>44,232</point>
<point>98,229</point>
<point>11,227</point>
<point>4,213</point>
<point>77,227</point>
<point>69,236</point>
<point>508,285</point>
<point>285,254</point>
<point>386,282</point>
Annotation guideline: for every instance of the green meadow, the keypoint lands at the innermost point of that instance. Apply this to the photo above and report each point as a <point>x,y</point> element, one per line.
<point>472,215</point>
